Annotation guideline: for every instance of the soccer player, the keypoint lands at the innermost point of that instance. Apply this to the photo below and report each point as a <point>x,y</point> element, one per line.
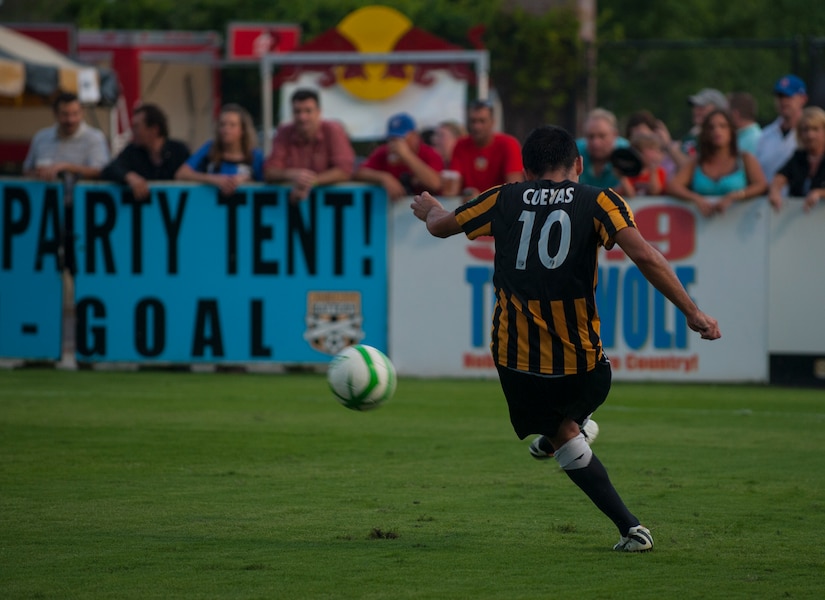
<point>545,341</point>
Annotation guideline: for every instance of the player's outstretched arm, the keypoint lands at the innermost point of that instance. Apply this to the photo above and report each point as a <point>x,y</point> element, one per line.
<point>440,221</point>
<point>659,273</point>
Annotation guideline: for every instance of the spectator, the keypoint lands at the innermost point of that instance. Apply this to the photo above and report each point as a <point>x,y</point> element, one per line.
<point>743,110</point>
<point>310,151</point>
<point>702,103</point>
<point>231,158</point>
<point>804,173</point>
<point>652,179</point>
<point>484,158</point>
<point>778,140</point>
<point>70,149</point>
<point>601,137</point>
<point>643,121</point>
<point>151,155</point>
<point>405,165</point>
<point>718,169</point>
<point>445,136</point>
<point>70,146</point>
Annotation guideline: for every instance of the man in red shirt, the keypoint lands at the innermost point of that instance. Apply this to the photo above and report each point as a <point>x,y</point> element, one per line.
<point>405,165</point>
<point>484,158</point>
<point>309,151</point>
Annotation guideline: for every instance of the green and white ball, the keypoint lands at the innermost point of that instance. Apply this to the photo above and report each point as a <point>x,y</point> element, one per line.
<point>590,430</point>
<point>361,377</point>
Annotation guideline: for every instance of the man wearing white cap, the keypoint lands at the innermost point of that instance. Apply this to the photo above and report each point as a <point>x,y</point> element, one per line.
<point>701,104</point>
<point>778,141</point>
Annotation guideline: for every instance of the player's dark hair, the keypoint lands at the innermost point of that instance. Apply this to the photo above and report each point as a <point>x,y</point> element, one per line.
<point>548,148</point>
<point>153,116</point>
<point>302,94</point>
<point>63,98</point>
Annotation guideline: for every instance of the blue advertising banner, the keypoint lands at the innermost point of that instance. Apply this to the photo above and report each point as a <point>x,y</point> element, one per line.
<point>31,284</point>
<point>191,276</point>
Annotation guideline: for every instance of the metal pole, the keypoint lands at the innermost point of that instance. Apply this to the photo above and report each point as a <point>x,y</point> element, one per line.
<point>266,104</point>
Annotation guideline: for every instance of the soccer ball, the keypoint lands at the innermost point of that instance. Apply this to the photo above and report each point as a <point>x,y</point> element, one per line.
<point>590,430</point>
<point>361,377</point>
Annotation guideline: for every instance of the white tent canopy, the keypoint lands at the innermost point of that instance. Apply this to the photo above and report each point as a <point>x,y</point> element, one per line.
<point>30,67</point>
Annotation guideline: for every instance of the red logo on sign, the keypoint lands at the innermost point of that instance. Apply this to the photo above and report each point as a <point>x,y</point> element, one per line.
<point>250,42</point>
<point>483,248</point>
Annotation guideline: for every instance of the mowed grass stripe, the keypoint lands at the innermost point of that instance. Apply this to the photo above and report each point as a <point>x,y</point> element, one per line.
<point>177,485</point>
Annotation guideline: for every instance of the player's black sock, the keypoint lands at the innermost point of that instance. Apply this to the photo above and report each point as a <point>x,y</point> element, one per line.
<point>594,482</point>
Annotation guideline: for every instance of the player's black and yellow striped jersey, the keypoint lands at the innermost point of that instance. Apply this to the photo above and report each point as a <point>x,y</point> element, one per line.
<point>547,237</point>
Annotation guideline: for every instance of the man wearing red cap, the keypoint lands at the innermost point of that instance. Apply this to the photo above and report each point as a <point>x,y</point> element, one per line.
<point>778,141</point>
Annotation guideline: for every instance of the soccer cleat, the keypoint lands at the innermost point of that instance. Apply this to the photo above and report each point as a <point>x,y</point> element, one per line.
<point>638,539</point>
<point>541,448</point>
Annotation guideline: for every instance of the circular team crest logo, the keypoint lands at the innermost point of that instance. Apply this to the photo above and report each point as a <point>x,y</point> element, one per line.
<point>480,163</point>
<point>375,29</point>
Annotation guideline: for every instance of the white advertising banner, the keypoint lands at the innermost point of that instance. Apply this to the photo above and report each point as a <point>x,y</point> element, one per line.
<point>442,296</point>
<point>445,98</point>
<point>441,300</point>
<point>797,281</point>
<point>721,261</point>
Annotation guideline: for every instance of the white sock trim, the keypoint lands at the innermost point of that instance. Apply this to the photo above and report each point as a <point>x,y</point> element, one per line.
<point>575,454</point>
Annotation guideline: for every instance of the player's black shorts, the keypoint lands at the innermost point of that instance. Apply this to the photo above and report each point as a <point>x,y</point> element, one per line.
<point>538,405</point>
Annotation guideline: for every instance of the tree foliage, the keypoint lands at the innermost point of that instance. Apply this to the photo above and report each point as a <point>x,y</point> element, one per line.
<point>709,19</point>
<point>536,59</point>
<point>535,62</point>
<point>723,45</point>
<point>533,86</point>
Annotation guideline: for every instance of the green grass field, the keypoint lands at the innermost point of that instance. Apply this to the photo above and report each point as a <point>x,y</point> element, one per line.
<point>178,485</point>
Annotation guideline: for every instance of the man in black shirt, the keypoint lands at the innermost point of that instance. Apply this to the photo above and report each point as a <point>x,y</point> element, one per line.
<point>151,156</point>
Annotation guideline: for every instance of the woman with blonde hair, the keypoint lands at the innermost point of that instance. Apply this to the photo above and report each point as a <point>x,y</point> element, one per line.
<point>445,136</point>
<point>804,173</point>
<point>231,158</point>
<point>719,174</point>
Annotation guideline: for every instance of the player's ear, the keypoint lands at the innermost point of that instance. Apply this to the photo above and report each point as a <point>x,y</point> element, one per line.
<point>579,165</point>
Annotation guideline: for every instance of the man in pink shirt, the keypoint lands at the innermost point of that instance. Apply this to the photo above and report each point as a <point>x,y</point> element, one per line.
<point>484,158</point>
<point>309,151</point>
<point>405,165</point>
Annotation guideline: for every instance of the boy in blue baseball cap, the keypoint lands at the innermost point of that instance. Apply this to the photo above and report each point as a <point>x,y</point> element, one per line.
<point>789,85</point>
<point>405,165</point>
<point>778,141</point>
